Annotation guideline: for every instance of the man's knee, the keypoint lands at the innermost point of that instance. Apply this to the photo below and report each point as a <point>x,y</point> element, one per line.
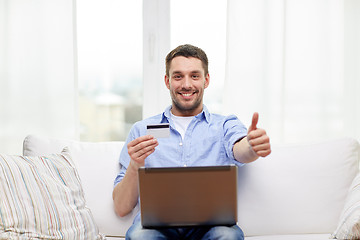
<point>226,233</point>
<point>137,232</point>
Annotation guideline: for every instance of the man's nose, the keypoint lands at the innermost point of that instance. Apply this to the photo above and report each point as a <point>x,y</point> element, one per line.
<point>187,83</point>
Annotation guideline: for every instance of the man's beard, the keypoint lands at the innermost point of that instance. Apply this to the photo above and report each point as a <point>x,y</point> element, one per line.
<point>183,108</point>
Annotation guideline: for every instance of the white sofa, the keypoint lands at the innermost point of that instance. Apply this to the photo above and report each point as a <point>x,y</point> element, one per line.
<point>296,193</point>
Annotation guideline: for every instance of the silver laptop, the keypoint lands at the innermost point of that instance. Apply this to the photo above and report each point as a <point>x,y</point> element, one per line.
<point>188,196</point>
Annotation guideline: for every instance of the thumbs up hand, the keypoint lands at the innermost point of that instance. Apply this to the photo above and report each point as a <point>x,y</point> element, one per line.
<point>258,139</point>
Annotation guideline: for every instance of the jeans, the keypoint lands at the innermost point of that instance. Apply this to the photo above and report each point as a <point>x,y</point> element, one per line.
<point>137,232</point>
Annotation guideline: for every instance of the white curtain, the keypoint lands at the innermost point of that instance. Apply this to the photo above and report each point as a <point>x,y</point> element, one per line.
<point>296,62</point>
<point>37,74</point>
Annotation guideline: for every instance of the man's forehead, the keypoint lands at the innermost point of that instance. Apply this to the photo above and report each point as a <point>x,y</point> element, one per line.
<point>186,64</point>
<point>191,71</point>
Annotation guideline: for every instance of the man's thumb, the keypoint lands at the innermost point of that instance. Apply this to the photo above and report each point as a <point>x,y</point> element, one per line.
<point>254,122</point>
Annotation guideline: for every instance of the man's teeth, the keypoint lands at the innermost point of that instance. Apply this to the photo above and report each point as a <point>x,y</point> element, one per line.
<point>186,94</point>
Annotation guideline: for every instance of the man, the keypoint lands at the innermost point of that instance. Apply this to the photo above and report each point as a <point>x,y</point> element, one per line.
<point>197,138</point>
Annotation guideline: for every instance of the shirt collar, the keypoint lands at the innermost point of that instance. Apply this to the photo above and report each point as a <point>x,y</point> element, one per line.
<point>205,114</point>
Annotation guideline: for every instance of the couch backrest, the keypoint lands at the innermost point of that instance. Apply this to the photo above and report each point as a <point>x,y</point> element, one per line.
<point>296,189</point>
<point>97,164</point>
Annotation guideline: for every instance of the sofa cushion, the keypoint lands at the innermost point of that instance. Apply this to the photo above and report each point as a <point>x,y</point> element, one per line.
<point>297,189</point>
<point>98,165</point>
<point>42,198</point>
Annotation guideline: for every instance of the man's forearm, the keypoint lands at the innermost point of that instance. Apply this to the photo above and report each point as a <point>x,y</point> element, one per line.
<point>125,193</point>
<point>243,151</point>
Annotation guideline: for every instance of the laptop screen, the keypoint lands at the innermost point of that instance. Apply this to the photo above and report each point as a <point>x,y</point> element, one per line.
<point>187,196</point>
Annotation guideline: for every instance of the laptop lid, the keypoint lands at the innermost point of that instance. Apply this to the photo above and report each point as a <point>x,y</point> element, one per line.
<point>188,196</point>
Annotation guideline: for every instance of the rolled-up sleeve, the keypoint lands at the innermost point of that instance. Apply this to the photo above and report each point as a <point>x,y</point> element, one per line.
<point>120,175</point>
<point>234,131</point>
<point>124,159</point>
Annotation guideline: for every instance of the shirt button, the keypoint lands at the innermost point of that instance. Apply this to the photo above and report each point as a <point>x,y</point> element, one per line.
<point>180,144</point>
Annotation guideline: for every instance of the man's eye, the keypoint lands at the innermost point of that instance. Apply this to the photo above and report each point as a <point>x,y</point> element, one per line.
<point>195,76</point>
<point>177,77</point>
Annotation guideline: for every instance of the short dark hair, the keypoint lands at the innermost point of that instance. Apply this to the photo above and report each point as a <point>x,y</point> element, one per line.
<point>187,50</point>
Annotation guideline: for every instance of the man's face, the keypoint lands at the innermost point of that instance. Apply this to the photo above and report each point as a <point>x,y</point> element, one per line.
<point>186,82</point>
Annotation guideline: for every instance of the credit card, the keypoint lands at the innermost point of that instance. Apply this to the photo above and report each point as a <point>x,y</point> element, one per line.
<point>161,130</point>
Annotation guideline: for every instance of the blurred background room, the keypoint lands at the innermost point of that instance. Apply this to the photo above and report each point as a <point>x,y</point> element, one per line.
<point>88,69</point>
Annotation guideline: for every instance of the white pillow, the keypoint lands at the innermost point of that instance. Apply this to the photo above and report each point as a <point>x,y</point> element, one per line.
<point>42,198</point>
<point>349,224</point>
<point>98,165</point>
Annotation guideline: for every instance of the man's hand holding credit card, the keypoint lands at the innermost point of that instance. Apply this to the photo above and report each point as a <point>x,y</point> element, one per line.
<point>161,130</point>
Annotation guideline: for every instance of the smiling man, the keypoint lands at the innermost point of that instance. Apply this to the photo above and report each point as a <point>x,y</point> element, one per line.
<point>207,139</point>
<point>186,79</point>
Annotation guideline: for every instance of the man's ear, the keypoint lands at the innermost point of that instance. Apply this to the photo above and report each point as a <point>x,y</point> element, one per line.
<point>167,81</point>
<point>207,80</point>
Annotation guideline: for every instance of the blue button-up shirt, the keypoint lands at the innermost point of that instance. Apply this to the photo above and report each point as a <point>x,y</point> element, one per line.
<point>208,141</point>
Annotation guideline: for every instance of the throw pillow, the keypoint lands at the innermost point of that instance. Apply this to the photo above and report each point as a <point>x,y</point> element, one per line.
<point>349,224</point>
<point>42,198</point>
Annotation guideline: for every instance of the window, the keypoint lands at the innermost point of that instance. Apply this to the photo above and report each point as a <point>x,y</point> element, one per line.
<point>110,58</point>
<point>109,39</point>
<point>203,25</point>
